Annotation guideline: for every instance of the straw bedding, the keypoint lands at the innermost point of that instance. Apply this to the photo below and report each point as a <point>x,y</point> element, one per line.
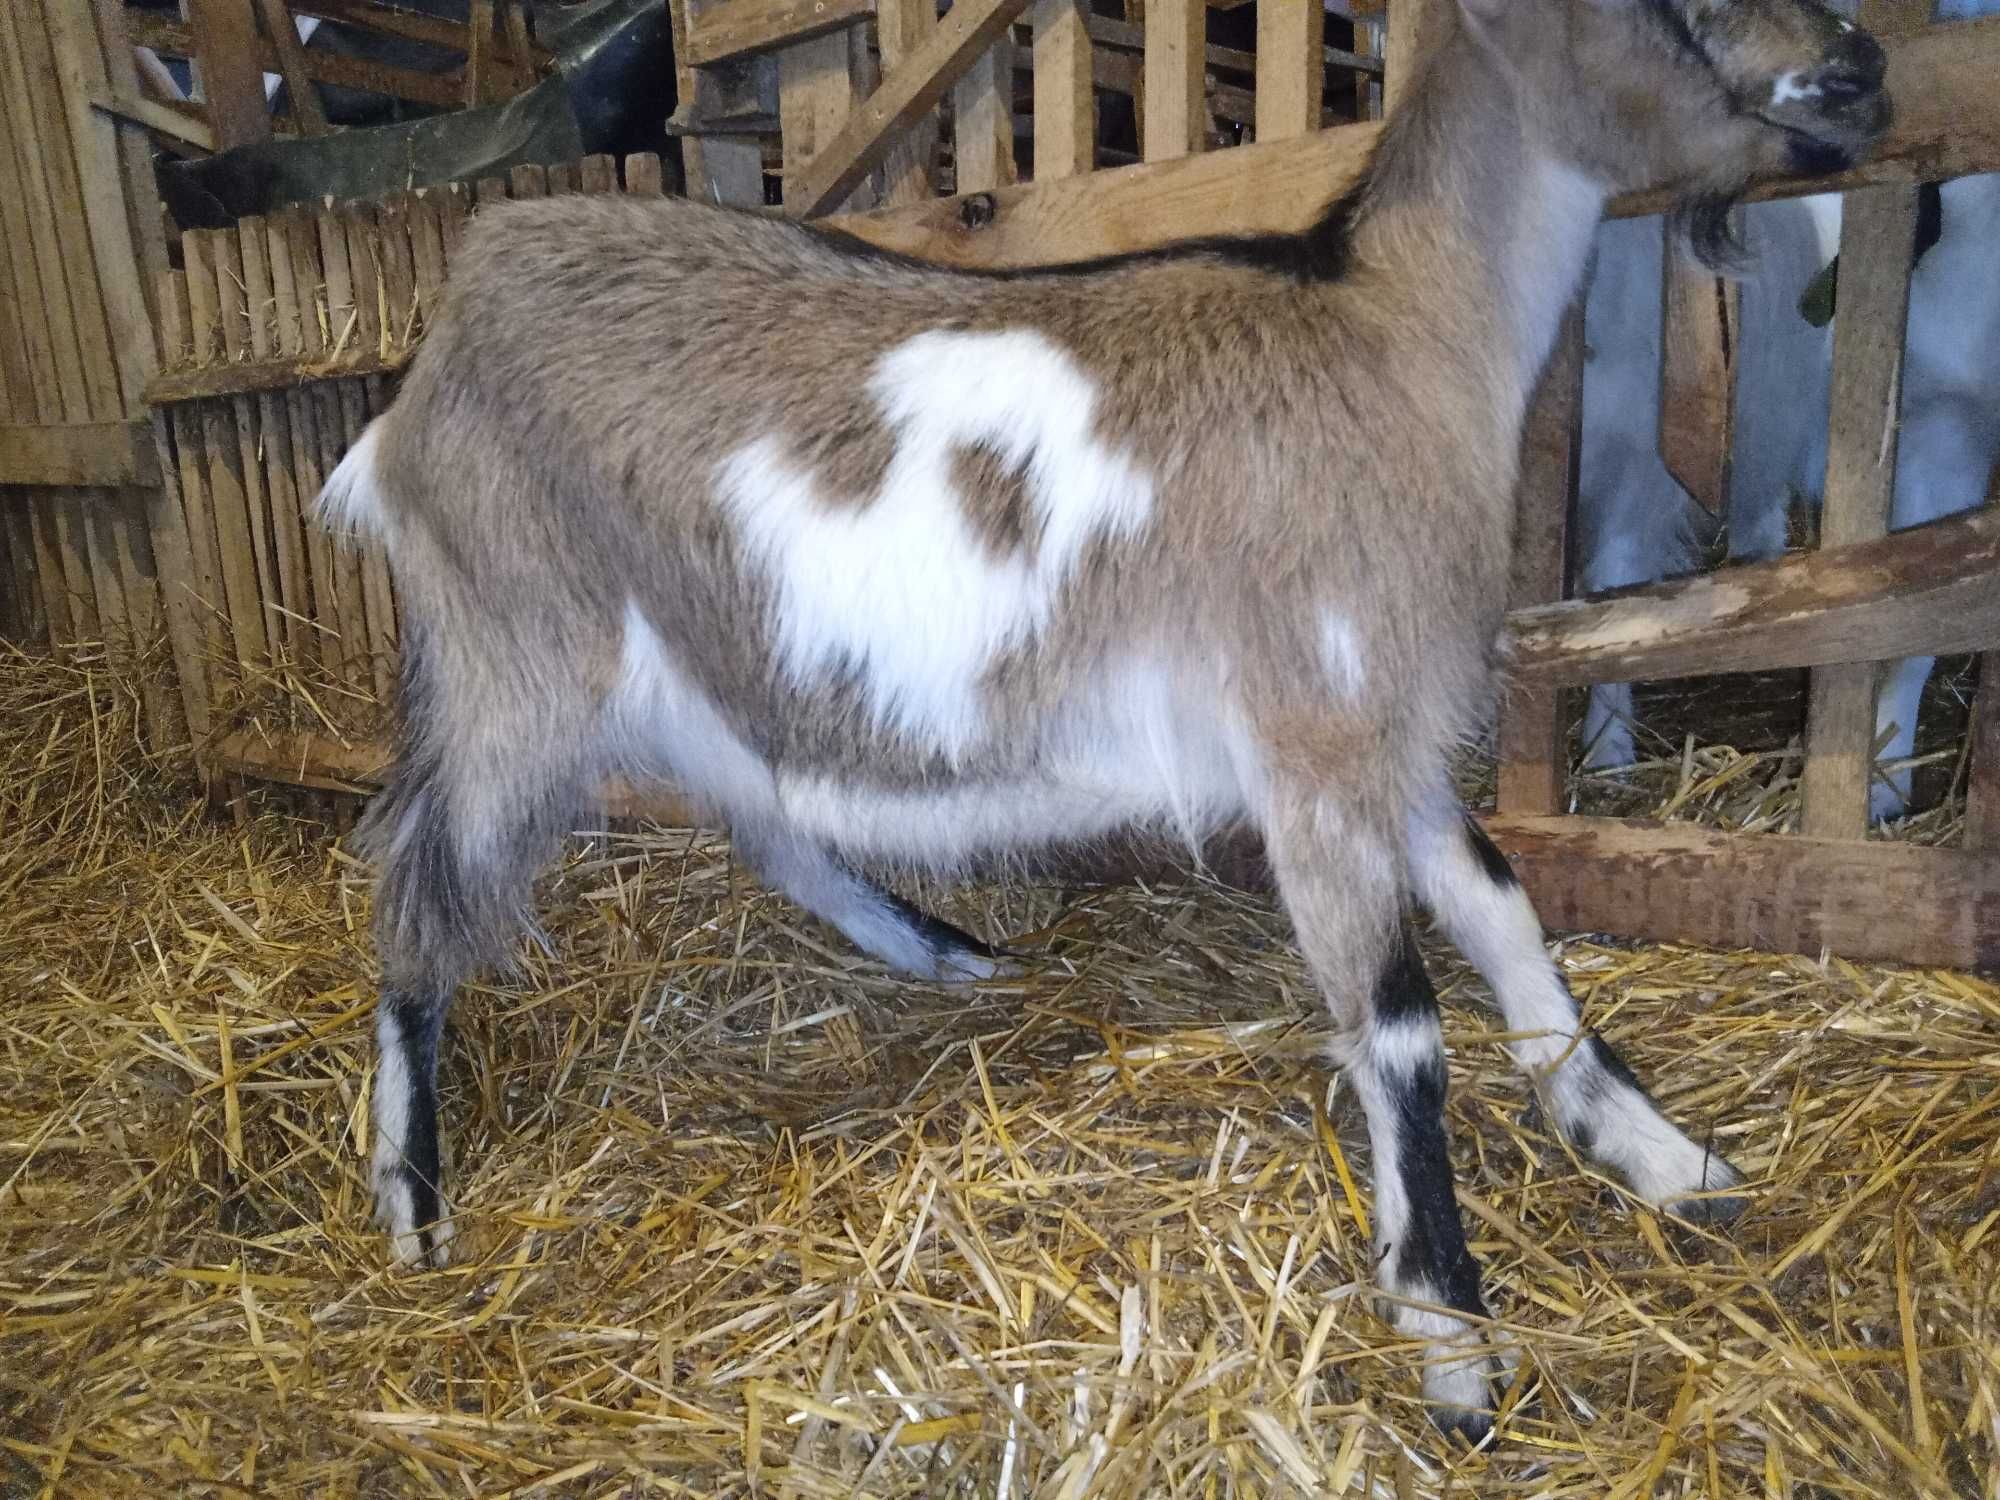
<point>744,1216</point>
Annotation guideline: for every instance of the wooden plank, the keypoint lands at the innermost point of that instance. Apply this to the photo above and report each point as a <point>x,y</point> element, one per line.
<point>1176,115</point>
<point>1947,124</point>
<point>1697,375</point>
<point>292,599</point>
<point>230,72</point>
<point>234,323</point>
<point>1291,72</point>
<point>817,92</point>
<point>1677,882</point>
<point>741,28</point>
<point>426,219</point>
<point>164,119</point>
<point>643,174</point>
<point>49,570</point>
<point>599,173</point>
<point>277,373</point>
<point>1877,241</point>
<point>295,297</point>
<point>32,370</point>
<point>100,172</point>
<point>180,444</point>
<point>479,53</point>
<point>307,109</point>
<point>1931,590</point>
<point>902,27</point>
<point>982,105</point>
<point>1065,107</point>
<point>107,588</point>
<point>445,90</point>
<point>37,162</point>
<point>71,528</point>
<point>1982,787</point>
<point>719,169</point>
<point>1532,745</point>
<point>376,262</point>
<point>1249,189</point>
<point>528,180</point>
<point>77,454</point>
<point>31,622</point>
<point>399,21</point>
<point>962,36</point>
<point>180,607</point>
<point>222,450</point>
<point>338,423</point>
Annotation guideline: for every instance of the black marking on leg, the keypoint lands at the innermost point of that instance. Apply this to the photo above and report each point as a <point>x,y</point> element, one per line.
<point>1433,1245</point>
<point>419,1027</point>
<point>1491,860</point>
<point>943,939</point>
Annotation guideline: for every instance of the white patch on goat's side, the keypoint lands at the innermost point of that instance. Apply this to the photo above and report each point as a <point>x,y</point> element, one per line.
<point>664,724</point>
<point>1138,744</point>
<point>1340,653</point>
<point>351,498</point>
<point>898,587</point>
<point>1790,87</point>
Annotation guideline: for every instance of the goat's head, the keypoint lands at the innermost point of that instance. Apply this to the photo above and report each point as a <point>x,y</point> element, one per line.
<point>1693,96</point>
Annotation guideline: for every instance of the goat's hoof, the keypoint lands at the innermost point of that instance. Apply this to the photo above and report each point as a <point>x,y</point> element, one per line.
<point>414,1245</point>
<point>1717,1206</point>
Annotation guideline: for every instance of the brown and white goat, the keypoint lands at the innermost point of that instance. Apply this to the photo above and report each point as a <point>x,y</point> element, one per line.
<point>894,563</point>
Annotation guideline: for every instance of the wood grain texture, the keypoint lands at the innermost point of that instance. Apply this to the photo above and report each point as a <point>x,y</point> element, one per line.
<point>902,27</point>
<point>741,28</point>
<point>982,104</point>
<point>230,72</point>
<point>1291,70</point>
<point>1697,375</point>
<point>1877,242</point>
<point>1176,113</point>
<point>1926,591</point>
<point>971,29</point>
<point>1065,107</point>
<point>1532,740</point>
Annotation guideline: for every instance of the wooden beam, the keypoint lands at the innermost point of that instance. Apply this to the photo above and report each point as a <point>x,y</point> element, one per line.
<point>982,110</point>
<point>902,27</point>
<point>1931,590</point>
<point>970,29</point>
<point>1176,123</point>
<point>1697,375</point>
<point>394,20</point>
<point>229,64</point>
<point>742,28</point>
<point>1877,243</point>
<point>1065,107</point>
<point>157,117</point>
<point>1947,124</point>
<point>83,455</point>
<point>442,89</point>
<point>1291,71</point>
<point>284,36</point>
<point>1675,882</point>
<point>1532,743</point>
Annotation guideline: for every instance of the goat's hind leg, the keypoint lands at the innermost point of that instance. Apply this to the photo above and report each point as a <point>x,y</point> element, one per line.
<point>458,845</point>
<point>1597,1103</point>
<point>874,919</point>
<point>1341,886</point>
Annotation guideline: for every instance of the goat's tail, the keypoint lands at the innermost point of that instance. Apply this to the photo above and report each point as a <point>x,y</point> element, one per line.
<point>484,786</point>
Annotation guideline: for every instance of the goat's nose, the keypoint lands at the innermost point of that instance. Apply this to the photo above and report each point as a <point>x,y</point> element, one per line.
<point>1854,65</point>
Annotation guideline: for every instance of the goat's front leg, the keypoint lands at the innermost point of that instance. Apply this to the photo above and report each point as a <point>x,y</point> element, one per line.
<point>1341,883</point>
<point>1597,1103</point>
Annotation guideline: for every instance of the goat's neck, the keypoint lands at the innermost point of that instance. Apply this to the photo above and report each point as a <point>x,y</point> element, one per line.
<point>1461,197</point>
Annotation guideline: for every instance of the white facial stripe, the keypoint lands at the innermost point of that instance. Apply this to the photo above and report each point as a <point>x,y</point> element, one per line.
<point>899,587</point>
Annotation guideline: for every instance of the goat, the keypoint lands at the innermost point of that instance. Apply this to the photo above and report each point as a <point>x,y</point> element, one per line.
<point>1635,522</point>
<point>890,562</point>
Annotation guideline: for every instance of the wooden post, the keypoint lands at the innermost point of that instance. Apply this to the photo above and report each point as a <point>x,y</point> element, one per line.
<point>229,71</point>
<point>1412,30</point>
<point>902,26</point>
<point>1697,375</point>
<point>306,106</point>
<point>719,169</point>
<point>1291,68</point>
<point>983,105</point>
<point>1532,743</point>
<point>1065,107</point>
<point>818,87</point>
<point>1877,238</point>
<point>1176,114</point>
